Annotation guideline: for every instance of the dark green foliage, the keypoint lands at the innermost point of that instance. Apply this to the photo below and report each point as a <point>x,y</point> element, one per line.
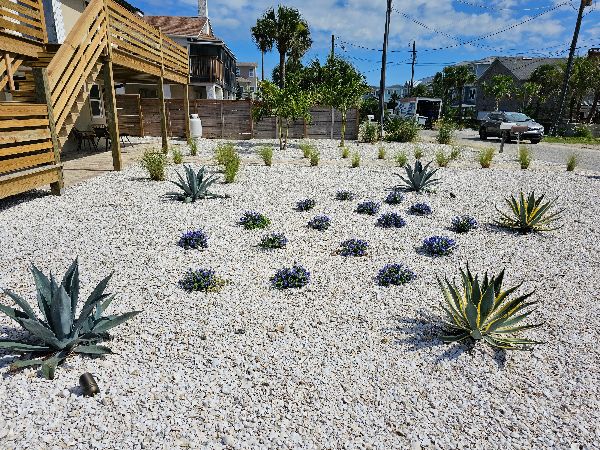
<point>401,130</point>
<point>155,163</point>
<point>418,178</point>
<point>194,186</point>
<point>60,332</point>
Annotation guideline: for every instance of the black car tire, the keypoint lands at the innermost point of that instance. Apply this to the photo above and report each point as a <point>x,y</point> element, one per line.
<point>535,141</point>
<point>507,136</point>
<point>483,134</point>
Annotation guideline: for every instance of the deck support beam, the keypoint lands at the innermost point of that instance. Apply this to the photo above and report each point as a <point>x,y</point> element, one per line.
<point>186,109</point>
<point>163,115</point>
<point>43,95</point>
<point>112,119</point>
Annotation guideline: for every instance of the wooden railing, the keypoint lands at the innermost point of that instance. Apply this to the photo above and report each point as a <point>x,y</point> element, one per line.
<point>24,19</point>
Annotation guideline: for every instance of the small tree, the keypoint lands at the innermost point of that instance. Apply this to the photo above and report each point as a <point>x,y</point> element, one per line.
<point>342,87</point>
<point>501,86</point>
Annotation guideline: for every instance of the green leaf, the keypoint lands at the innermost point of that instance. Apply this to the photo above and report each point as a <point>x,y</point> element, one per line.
<point>61,318</point>
<point>49,365</point>
<point>71,284</point>
<point>14,314</point>
<point>21,302</point>
<point>43,333</point>
<point>92,350</point>
<point>44,292</point>
<point>108,322</point>
<point>22,347</point>
<point>21,363</point>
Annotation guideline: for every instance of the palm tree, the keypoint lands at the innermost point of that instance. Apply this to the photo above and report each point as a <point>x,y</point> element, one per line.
<point>501,86</point>
<point>461,76</point>
<point>261,35</point>
<point>288,31</point>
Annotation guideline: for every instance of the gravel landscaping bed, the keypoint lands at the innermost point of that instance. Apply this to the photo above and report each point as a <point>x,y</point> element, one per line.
<point>340,363</point>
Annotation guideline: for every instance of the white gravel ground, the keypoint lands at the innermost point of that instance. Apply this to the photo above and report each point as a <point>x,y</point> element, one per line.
<point>341,363</point>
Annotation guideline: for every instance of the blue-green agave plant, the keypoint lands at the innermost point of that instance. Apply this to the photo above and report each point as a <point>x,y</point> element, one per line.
<point>60,332</point>
<point>194,186</point>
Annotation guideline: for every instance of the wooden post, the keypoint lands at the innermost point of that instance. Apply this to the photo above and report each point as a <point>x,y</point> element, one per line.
<point>9,73</point>
<point>112,120</point>
<point>251,119</point>
<point>222,119</point>
<point>141,115</point>
<point>161,99</point>
<point>305,134</point>
<point>43,95</point>
<point>186,110</point>
<point>43,20</point>
<point>332,121</point>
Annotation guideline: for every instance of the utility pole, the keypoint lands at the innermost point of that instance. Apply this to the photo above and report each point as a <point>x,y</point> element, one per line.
<point>569,69</point>
<point>412,69</point>
<point>383,65</point>
<point>332,45</point>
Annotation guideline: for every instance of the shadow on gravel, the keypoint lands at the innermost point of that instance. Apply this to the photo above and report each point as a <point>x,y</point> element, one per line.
<point>15,200</point>
<point>593,177</point>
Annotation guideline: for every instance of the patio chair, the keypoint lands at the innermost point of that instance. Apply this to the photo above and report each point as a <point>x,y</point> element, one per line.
<point>102,132</point>
<point>85,139</point>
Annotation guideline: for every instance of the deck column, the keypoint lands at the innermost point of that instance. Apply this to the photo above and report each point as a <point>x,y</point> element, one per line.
<point>163,115</point>
<point>186,109</point>
<point>43,95</point>
<point>110,105</point>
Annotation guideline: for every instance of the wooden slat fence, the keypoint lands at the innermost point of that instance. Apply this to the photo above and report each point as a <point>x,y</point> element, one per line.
<point>27,157</point>
<point>229,119</point>
<point>23,19</point>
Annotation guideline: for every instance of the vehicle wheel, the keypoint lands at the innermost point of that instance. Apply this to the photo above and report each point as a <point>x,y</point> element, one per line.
<point>507,137</point>
<point>482,134</point>
<point>535,141</point>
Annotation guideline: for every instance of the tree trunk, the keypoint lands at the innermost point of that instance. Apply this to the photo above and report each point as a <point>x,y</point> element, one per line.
<point>281,69</point>
<point>571,107</point>
<point>262,65</point>
<point>578,110</point>
<point>594,107</point>
<point>280,122</point>
<point>460,103</point>
<point>497,103</point>
<point>343,142</point>
<point>287,133</point>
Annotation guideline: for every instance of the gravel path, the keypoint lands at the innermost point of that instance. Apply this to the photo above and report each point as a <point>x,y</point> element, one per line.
<point>341,363</point>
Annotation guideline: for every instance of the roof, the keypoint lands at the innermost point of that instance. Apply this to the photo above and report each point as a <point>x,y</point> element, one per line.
<point>522,67</point>
<point>251,64</point>
<point>183,26</point>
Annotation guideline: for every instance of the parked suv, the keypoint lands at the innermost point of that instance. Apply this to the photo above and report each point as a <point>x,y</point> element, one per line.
<point>490,127</point>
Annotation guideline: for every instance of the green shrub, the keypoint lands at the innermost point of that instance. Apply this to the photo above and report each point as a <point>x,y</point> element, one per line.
<point>398,129</point>
<point>231,168</point>
<point>266,153</point>
<point>193,144</point>
<point>307,149</point>
<point>455,152</point>
<point>401,158</point>
<point>582,131</point>
<point>368,132</point>
<point>418,152</point>
<point>345,152</point>
<point>525,157</point>
<point>224,153</point>
<point>177,156</point>
<point>446,131</point>
<point>572,161</point>
<point>441,158</point>
<point>486,156</point>
<point>355,159</point>
<point>314,157</point>
<point>155,163</point>
<point>381,152</point>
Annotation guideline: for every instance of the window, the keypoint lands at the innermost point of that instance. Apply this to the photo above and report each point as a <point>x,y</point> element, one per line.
<point>237,71</point>
<point>472,94</point>
<point>251,72</point>
<point>96,104</point>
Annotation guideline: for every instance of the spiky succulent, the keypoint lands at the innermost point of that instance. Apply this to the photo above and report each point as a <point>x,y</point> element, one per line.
<point>394,197</point>
<point>463,223</point>
<point>290,277</point>
<point>368,207</point>
<point>439,245</point>
<point>353,247</point>
<point>394,275</point>
<point>60,332</point>
<point>252,220</point>
<point>205,280</point>
<point>420,209</point>
<point>195,239</point>
<point>194,186</point>
<point>529,213</point>
<point>391,220</point>
<point>273,240</point>
<point>320,223</point>
<point>419,178</point>
<point>481,310</point>
<point>305,205</point>
<point>344,195</point>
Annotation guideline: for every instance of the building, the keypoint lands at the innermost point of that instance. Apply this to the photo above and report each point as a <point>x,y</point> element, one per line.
<point>212,63</point>
<point>400,90</point>
<point>247,79</point>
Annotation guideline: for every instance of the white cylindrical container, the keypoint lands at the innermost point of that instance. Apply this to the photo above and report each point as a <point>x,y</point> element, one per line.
<point>195,126</point>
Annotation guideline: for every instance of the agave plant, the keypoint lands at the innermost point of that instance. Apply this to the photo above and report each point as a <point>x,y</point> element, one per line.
<point>194,186</point>
<point>529,214</point>
<point>418,178</point>
<point>60,333</point>
<point>481,310</point>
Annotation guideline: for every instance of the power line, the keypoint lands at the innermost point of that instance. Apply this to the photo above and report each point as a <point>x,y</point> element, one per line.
<point>498,8</point>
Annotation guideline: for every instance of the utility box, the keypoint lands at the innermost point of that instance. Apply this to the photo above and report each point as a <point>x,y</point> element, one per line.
<point>195,126</point>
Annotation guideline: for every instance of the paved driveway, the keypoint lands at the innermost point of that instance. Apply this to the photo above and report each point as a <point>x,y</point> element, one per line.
<point>589,155</point>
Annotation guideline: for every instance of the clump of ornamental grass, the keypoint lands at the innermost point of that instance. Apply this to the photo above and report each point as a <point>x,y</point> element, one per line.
<point>345,152</point>
<point>155,163</point>
<point>344,195</point>
<point>305,205</point>
<point>401,158</point>
<point>314,158</point>
<point>391,220</point>
<point>355,160</point>
<point>224,152</point>
<point>480,310</point>
<point>486,156</point>
<point>231,168</point>
<point>252,220</point>
<point>420,209</point>
<point>394,275</point>
<point>446,131</point>
<point>203,280</point>
<point>177,156</point>
<point>394,197</point>
<point>273,241</point>
<point>463,223</point>
<point>320,223</point>
<point>455,153</point>
<point>419,178</point>
<point>442,159</point>
<point>294,277</point>
<point>572,161</point>
<point>369,207</point>
<point>195,239</point>
<point>528,213</point>
<point>439,245</point>
<point>418,152</point>
<point>307,149</point>
<point>353,247</point>
<point>381,152</point>
<point>193,145</point>
<point>266,153</point>
<point>525,157</point>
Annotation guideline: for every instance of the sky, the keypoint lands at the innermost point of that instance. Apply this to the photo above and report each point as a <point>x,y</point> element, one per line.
<point>445,31</point>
